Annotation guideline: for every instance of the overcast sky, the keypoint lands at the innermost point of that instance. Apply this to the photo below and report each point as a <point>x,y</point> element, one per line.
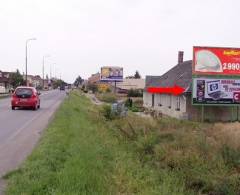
<point>81,36</point>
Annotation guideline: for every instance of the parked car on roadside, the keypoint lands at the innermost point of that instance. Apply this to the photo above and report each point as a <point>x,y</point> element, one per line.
<point>62,87</point>
<point>25,97</point>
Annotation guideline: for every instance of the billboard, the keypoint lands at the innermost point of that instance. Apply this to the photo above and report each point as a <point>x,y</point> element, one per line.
<point>111,73</point>
<point>216,91</point>
<point>216,61</point>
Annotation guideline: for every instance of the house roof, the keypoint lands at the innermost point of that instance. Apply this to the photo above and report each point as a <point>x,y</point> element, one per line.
<point>180,75</point>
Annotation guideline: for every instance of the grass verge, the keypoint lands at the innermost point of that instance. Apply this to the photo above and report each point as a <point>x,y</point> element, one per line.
<point>81,153</point>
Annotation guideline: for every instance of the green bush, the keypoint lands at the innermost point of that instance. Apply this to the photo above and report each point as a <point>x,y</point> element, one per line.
<point>134,106</point>
<point>135,93</point>
<point>108,90</point>
<point>92,87</point>
<point>135,109</point>
<point>107,97</point>
<point>106,111</point>
<point>145,146</point>
<point>138,102</point>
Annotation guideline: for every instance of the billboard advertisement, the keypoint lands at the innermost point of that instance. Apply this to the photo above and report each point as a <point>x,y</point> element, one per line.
<point>111,73</point>
<point>216,61</point>
<point>216,91</point>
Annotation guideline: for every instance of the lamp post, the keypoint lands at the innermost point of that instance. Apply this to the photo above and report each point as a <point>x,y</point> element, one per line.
<point>27,41</point>
<point>45,56</point>
<point>51,83</point>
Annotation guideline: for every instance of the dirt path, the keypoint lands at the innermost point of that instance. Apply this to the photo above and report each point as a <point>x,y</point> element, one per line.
<point>93,98</point>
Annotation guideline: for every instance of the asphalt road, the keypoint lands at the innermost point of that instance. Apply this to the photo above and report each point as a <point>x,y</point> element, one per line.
<point>21,129</point>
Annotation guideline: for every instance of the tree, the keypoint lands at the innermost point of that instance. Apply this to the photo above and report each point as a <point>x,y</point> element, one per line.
<point>137,75</point>
<point>16,79</point>
<point>57,83</point>
<point>78,81</point>
<point>93,87</point>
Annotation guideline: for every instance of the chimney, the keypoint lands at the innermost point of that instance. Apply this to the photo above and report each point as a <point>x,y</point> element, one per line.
<point>180,57</point>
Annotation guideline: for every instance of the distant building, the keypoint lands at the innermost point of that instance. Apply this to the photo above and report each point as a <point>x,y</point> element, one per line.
<point>128,84</point>
<point>34,81</point>
<point>5,80</point>
<point>46,84</point>
<point>94,78</point>
<point>181,106</point>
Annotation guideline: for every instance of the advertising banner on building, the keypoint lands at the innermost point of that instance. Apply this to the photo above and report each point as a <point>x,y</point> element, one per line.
<point>216,91</point>
<point>111,73</point>
<point>216,61</point>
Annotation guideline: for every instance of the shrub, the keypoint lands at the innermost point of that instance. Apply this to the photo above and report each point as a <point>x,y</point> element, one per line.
<point>135,93</point>
<point>108,90</point>
<point>93,88</point>
<point>145,146</point>
<point>138,102</point>
<point>129,103</point>
<point>107,97</point>
<point>106,111</point>
<point>135,109</point>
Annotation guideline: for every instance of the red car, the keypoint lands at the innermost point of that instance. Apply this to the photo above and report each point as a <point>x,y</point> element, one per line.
<point>25,97</point>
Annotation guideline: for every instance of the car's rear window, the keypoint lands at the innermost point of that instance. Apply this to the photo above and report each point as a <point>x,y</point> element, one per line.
<point>23,92</point>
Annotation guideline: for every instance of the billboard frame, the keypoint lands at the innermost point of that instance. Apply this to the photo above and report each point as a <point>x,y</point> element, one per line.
<point>211,73</point>
<point>225,105</point>
<point>217,76</point>
<point>111,79</point>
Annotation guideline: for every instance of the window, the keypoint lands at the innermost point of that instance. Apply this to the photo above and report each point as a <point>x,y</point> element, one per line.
<point>23,93</point>
<point>178,103</point>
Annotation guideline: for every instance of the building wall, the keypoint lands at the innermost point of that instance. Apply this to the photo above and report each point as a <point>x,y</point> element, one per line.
<point>4,80</point>
<point>94,78</point>
<point>168,106</point>
<point>174,106</point>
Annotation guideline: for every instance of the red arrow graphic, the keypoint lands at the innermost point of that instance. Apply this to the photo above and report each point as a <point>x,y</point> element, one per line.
<point>176,90</point>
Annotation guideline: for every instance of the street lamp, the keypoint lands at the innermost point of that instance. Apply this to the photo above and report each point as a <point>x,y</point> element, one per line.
<point>52,67</point>
<point>44,57</point>
<point>27,41</point>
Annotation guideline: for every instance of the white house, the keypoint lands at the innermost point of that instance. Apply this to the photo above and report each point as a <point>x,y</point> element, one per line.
<point>181,106</point>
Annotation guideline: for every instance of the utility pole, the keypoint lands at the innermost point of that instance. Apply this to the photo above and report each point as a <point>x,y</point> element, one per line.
<point>26,52</point>
<point>43,67</point>
<point>50,71</point>
<point>43,72</point>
